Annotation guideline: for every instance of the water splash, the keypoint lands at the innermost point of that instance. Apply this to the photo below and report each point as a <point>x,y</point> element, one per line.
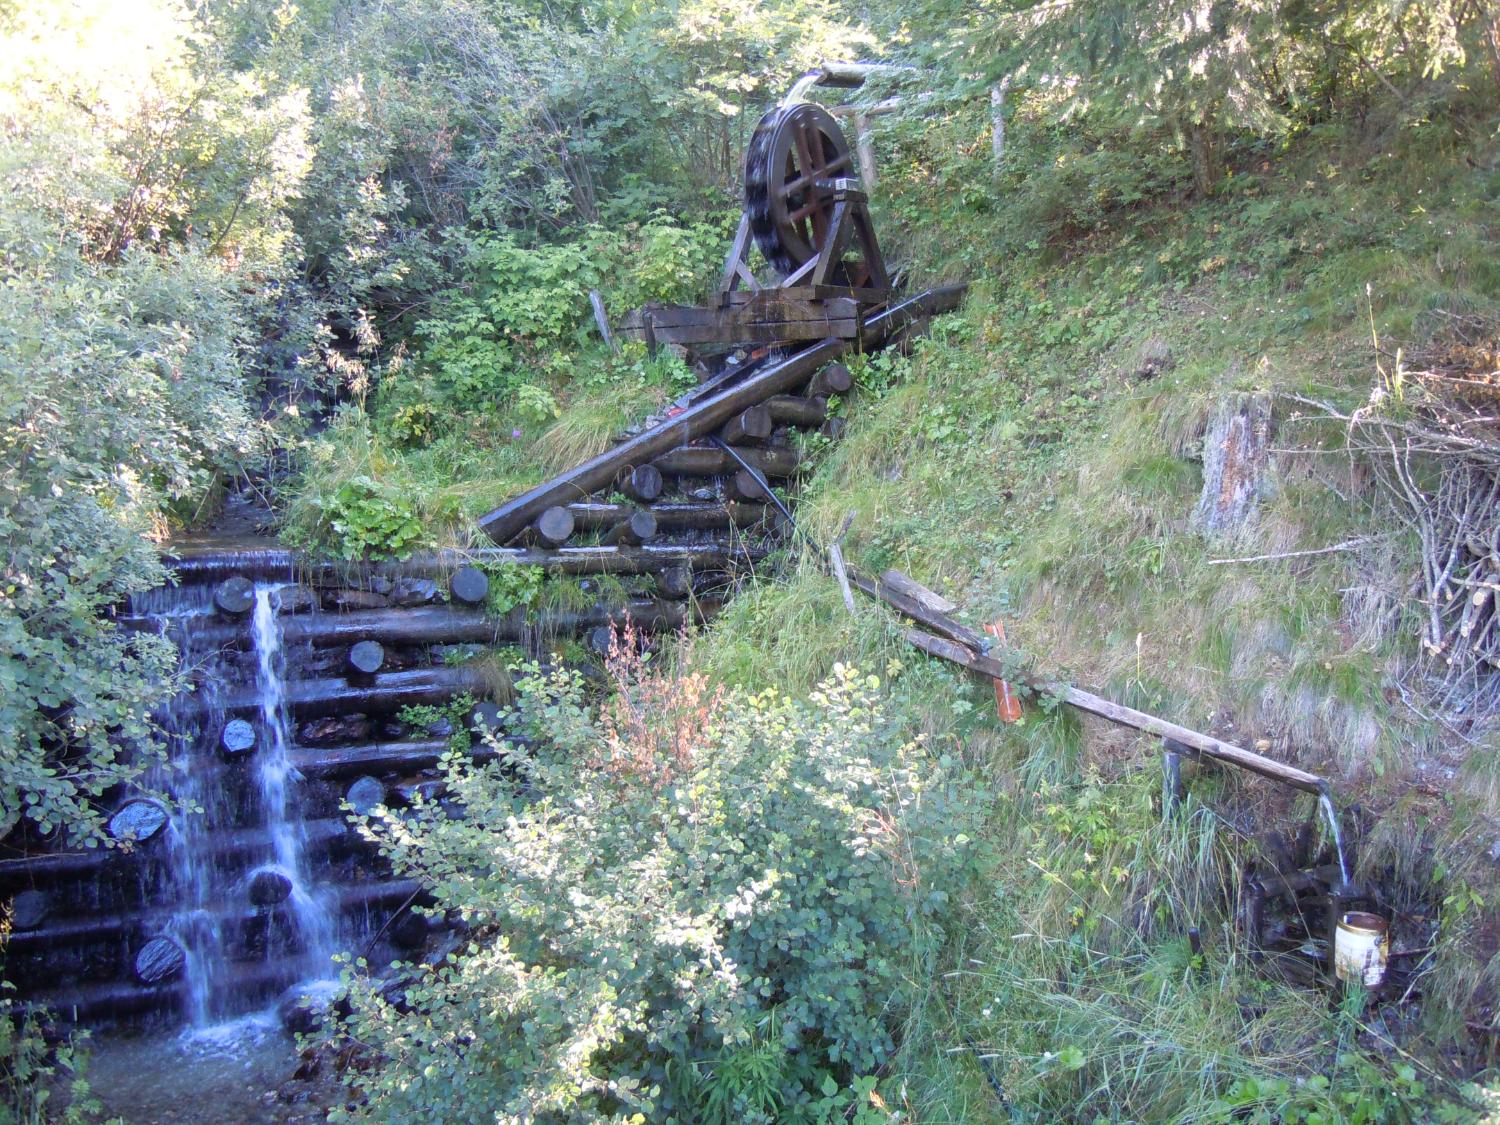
<point>275,774</point>
<point>1330,814</point>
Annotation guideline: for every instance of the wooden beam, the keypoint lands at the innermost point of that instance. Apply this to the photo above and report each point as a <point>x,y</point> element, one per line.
<point>1205,744</point>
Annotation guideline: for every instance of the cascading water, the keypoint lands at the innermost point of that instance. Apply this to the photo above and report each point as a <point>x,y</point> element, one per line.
<point>315,922</point>
<point>1325,802</point>
<point>200,807</point>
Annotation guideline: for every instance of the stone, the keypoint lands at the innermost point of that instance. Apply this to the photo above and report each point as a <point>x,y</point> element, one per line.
<point>160,959</point>
<point>365,795</point>
<point>138,820</point>
<point>354,599</point>
<point>237,737</point>
<point>29,909</point>
<point>304,1008</point>
<point>235,596</point>
<point>296,599</point>
<point>1237,464</point>
<point>414,591</point>
<point>269,886</point>
<point>470,585</point>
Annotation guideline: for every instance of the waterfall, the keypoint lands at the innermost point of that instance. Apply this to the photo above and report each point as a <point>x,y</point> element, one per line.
<point>315,922</point>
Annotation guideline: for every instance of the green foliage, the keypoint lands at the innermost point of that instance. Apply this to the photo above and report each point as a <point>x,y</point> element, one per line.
<point>368,519</point>
<point>40,1083</point>
<point>455,713</point>
<point>716,902</point>
<point>512,586</point>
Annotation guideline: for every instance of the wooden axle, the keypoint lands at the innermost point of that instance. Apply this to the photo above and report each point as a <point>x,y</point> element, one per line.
<point>1125,716</point>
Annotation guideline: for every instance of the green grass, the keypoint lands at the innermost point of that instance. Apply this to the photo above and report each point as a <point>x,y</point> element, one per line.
<point>1015,463</point>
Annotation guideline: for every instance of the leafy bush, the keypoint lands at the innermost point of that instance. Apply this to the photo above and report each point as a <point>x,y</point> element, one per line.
<point>369,519</point>
<point>712,908</point>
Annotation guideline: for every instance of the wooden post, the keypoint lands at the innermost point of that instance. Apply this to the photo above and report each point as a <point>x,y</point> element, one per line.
<point>866,151</point>
<point>596,301</point>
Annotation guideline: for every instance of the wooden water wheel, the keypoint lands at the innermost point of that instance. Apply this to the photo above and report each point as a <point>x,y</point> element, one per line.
<point>796,159</point>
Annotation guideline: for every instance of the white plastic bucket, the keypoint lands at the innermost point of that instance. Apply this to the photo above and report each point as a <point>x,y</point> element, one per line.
<point>1361,945</point>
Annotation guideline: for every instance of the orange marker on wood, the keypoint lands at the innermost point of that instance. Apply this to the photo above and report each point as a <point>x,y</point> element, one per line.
<point>1006,701</point>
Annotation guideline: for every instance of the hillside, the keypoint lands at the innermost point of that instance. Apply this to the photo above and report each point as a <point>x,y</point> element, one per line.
<point>1212,435</point>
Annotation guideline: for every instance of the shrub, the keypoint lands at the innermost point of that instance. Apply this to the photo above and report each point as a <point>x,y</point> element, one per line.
<point>709,913</point>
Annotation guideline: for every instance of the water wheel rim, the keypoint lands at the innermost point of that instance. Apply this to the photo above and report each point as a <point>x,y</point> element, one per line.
<point>794,154</point>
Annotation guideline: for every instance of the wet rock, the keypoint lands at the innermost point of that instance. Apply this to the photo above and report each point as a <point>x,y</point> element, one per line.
<point>409,931</point>
<point>392,728</point>
<point>237,737</point>
<point>269,886</point>
<point>1237,468</point>
<point>334,729</point>
<point>443,728</point>
<point>28,910</point>
<point>296,599</point>
<point>424,789</point>
<point>235,596</point>
<point>469,584</point>
<point>138,820</point>
<point>414,591</point>
<point>365,795</point>
<point>160,959</point>
<point>304,1008</point>
<point>380,584</point>
<point>354,599</point>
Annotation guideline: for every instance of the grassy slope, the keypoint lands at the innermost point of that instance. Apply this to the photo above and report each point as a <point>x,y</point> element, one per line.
<point>1019,464</point>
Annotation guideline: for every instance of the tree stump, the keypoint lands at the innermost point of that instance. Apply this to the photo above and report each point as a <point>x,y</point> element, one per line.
<point>1237,467</point>
<point>641,483</point>
<point>554,526</point>
<point>365,795</point>
<point>29,909</point>
<point>366,657</point>
<point>835,379</point>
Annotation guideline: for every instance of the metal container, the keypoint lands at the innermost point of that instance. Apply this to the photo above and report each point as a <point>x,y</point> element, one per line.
<point>1361,948</point>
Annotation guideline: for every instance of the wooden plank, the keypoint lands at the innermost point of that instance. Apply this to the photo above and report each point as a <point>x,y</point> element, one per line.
<point>914,589</point>
<point>1206,744</point>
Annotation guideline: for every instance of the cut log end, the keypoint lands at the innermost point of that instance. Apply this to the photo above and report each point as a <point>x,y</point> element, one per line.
<point>554,526</point>
<point>235,596</point>
<point>642,483</point>
<point>138,820</point>
<point>469,585</point>
<point>366,658</point>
